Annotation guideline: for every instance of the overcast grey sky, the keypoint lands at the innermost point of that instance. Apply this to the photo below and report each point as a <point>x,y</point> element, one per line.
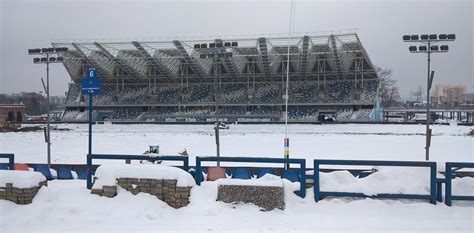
<point>381,24</point>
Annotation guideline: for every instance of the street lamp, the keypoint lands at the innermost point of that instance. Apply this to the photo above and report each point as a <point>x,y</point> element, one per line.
<point>429,46</point>
<point>46,56</point>
<point>216,51</point>
<point>217,126</point>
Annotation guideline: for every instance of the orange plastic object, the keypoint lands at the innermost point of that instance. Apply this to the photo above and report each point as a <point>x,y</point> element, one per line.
<point>21,166</point>
<point>215,173</point>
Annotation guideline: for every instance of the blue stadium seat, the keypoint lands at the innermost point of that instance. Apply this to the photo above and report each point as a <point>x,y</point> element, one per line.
<point>241,173</point>
<point>3,166</point>
<point>64,173</point>
<point>264,171</point>
<point>364,174</point>
<point>291,175</point>
<point>44,169</point>
<point>81,174</point>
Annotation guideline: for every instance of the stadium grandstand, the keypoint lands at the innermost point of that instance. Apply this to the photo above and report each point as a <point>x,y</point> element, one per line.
<point>232,79</point>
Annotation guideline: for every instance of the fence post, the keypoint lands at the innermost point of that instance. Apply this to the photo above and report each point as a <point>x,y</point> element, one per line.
<point>448,174</point>
<point>433,183</point>
<point>317,194</point>
<point>89,171</point>
<point>11,161</point>
<point>303,179</point>
<point>198,175</point>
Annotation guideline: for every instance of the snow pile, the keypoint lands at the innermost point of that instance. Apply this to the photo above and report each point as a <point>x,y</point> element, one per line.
<point>266,180</point>
<point>463,186</point>
<point>386,180</point>
<point>21,179</point>
<point>107,174</point>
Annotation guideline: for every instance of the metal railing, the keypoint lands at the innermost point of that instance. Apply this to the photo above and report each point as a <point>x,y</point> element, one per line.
<point>11,160</point>
<point>91,157</point>
<point>451,167</point>
<point>301,162</point>
<point>432,165</point>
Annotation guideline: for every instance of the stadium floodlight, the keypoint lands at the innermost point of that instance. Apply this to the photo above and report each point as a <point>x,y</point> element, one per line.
<point>433,37</point>
<point>428,47</point>
<point>202,56</point>
<point>228,54</point>
<point>227,44</point>
<point>197,46</point>
<point>235,44</point>
<point>203,46</point>
<point>443,36</point>
<point>219,45</point>
<point>47,57</point>
<point>212,45</point>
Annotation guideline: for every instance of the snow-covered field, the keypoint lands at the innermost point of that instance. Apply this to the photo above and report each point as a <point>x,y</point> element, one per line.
<point>352,141</point>
<point>67,206</point>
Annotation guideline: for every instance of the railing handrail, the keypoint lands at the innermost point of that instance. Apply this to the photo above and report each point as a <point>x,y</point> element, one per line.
<point>449,169</point>
<point>11,159</point>
<point>90,157</point>
<point>432,165</point>
<point>301,162</point>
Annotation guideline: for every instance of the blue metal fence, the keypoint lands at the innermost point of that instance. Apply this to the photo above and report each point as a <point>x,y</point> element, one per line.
<point>451,167</point>
<point>184,159</point>
<point>301,162</point>
<point>432,165</point>
<point>11,160</point>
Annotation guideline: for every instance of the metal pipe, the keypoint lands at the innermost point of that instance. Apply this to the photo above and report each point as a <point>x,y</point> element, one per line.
<point>428,135</point>
<point>48,141</point>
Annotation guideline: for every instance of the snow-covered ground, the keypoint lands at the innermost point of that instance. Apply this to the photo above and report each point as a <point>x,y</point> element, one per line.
<point>351,141</point>
<point>67,206</point>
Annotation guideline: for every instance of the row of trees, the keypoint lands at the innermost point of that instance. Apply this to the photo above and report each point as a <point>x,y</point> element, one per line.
<point>35,103</point>
<point>389,91</point>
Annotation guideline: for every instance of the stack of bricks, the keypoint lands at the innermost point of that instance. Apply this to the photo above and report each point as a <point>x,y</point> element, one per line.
<point>20,195</point>
<point>165,190</point>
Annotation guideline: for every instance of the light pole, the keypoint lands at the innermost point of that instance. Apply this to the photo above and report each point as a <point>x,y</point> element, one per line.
<point>216,51</point>
<point>47,57</point>
<point>428,48</point>
<point>217,126</point>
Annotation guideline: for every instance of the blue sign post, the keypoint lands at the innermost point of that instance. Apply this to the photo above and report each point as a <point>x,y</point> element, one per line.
<point>90,86</point>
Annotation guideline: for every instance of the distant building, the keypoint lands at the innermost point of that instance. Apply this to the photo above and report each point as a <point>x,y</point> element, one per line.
<point>12,113</point>
<point>449,96</point>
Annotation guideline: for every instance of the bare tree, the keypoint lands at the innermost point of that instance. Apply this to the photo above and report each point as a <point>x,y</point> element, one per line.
<point>388,91</point>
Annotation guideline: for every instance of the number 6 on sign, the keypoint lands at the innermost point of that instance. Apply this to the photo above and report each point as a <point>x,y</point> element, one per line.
<point>92,72</point>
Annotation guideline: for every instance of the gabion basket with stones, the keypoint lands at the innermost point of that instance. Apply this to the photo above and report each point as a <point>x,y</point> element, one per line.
<point>266,197</point>
<point>20,195</point>
<point>165,190</point>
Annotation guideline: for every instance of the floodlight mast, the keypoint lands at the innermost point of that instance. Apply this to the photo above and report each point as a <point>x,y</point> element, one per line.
<point>47,58</point>
<point>214,51</point>
<point>429,48</point>
<point>286,141</point>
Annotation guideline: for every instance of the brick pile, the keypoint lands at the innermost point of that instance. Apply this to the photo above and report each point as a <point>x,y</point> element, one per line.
<point>20,196</point>
<point>165,190</point>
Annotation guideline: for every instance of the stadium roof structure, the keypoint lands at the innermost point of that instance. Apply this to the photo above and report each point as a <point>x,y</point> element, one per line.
<point>334,56</point>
